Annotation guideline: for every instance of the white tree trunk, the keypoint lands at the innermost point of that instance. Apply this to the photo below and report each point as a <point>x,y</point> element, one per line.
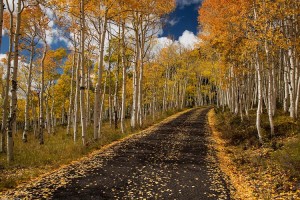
<point>5,105</point>
<point>82,67</point>
<point>41,104</point>
<point>286,84</point>
<point>102,107</point>
<point>292,84</point>
<point>259,99</point>
<point>135,80</point>
<point>28,93</point>
<point>71,98</point>
<point>76,106</point>
<point>270,91</point>
<point>124,76</point>
<point>99,81</point>
<point>14,86</point>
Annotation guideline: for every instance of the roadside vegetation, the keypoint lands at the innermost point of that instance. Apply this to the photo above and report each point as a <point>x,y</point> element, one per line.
<point>271,169</point>
<point>254,46</point>
<point>32,159</point>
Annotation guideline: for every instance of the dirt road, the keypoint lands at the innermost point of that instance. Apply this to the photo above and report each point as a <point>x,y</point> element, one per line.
<point>174,160</point>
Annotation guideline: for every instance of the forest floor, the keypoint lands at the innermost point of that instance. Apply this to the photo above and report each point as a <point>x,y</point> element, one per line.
<point>174,159</point>
<point>268,171</point>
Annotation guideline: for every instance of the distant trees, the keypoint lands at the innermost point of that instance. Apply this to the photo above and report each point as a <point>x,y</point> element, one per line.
<point>57,88</point>
<point>114,70</point>
<point>247,58</point>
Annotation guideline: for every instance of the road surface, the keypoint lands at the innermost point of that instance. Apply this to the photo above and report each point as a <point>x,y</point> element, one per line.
<point>174,160</point>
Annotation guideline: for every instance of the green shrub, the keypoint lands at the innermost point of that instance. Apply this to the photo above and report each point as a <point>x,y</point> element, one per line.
<point>289,158</point>
<point>236,131</point>
<point>285,126</point>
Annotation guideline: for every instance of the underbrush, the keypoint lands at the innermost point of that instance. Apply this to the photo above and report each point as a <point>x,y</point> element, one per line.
<point>237,131</point>
<point>289,158</point>
<point>272,168</point>
<point>32,159</point>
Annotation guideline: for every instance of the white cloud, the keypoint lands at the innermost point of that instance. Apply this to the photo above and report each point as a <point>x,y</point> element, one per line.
<point>163,42</point>
<point>160,43</point>
<point>183,3</point>
<point>2,56</point>
<point>51,24</point>
<point>188,39</point>
<point>48,11</point>
<point>160,32</point>
<point>53,36</point>
<point>10,4</point>
<point>3,64</point>
<point>173,22</point>
<point>4,32</point>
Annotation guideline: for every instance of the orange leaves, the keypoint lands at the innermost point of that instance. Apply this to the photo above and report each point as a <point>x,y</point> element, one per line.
<point>6,20</point>
<point>53,61</point>
<point>226,39</point>
<point>223,20</point>
<point>155,7</point>
<point>34,21</point>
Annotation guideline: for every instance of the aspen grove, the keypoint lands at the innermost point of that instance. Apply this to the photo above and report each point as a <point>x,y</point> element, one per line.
<point>113,69</point>
<point>255,45</point>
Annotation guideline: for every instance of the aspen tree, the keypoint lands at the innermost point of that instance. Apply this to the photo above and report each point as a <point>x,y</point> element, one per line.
<point>71,98</point>
<point>30,29</point>
<point>5,105</point>
<point>101,38</point>
<point>77,94</point>
<point>14,85</point>
<point>124,76</point>
<point>82,74</point>
<point>41,92</point>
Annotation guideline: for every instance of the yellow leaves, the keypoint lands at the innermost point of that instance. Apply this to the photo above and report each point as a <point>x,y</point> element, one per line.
<point>59,54</point>
<point>158,7</point>
<point>224,21</point>
<point>235,30</point>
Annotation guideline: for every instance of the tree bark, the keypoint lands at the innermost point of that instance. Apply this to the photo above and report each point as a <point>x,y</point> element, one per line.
<point>124,76</point>
<point>99,82</point>
<point>71,98</point>
<point>259,98</point>
<point>270,91</point>
<point>28,94</point>
<point>136,65</point>
<point>82,83</point>
<point>14,86</point>
<point>76,106</point>
<point>41,128</point>
<point>292,84</point>
<point>5,105</point>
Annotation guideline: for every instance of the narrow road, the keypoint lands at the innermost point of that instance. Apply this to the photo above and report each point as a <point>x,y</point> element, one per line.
<point>172,161</point>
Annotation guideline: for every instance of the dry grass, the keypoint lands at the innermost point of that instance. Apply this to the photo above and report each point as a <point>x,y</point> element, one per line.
<point>32,159</point>
<point>241,189</point>
<point>270,171</point>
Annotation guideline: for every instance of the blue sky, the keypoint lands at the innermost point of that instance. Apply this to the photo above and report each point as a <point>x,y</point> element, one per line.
<point>181,25</point>
<point>183,18</point>
<point>4,47</point>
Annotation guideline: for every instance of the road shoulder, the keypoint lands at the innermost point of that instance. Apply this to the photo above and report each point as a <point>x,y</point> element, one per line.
<point>239,186</point>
